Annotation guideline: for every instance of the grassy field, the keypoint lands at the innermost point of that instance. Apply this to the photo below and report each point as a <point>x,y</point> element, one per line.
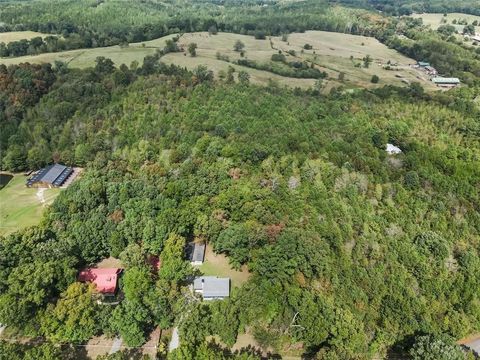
<point>331,52</point>
<point>217,265</point>
<point>334,53</point>
<point>434,20</point>
<point>20,206</point>
<point>7,37</point>
<point>338,53</point>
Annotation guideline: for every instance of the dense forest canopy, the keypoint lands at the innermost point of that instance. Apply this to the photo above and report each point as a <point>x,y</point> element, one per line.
<point>353,253</point>
<point>368,250</point>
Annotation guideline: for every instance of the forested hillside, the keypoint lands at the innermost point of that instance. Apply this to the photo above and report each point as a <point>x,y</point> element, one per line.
<point>353,252</point>
<point>347,251</point>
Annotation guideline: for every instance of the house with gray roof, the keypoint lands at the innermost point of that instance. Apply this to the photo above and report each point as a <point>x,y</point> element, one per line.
<point>212,287</point>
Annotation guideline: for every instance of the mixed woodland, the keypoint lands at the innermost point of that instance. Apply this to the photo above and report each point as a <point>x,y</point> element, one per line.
<point>353,253</point>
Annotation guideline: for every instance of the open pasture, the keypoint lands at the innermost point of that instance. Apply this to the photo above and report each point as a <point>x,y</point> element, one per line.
<point>434,20</point>
<point>334,53</point>
<point>10,36</point>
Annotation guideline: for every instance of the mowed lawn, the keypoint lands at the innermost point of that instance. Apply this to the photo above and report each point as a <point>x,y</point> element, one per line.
<point>217,265</point>
<point>20,206</point>
<point>7,37</point>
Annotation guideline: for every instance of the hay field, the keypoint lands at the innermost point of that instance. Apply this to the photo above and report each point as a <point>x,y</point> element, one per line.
<point>434,20</point>
<point>338,53</point>
<point>10,36</point>
<point>333,53</point>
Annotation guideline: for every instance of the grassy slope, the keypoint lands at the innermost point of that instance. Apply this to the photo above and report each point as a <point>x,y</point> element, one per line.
<point>7,37</point>
<point>332,54</point>
<point>20,206</point>
<point>434,20</point>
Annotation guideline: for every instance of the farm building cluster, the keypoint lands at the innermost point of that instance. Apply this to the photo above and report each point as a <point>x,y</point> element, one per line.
<point>440,81</point>
<point>106,279</point>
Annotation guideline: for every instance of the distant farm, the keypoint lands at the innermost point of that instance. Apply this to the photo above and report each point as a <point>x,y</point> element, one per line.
<point>340,57</point>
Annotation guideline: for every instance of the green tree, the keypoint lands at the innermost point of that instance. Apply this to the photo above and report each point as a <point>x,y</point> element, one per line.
<point>174,268</point>
<point>239,46</point>
<point>74,317</point>
<point>104,65</point>
<point>243,77</point>
<point>367,60</point>
<point>192,49</point>
<point>430,347</point>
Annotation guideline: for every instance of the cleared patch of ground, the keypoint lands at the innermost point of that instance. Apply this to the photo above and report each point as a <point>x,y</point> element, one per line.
<point>434,20</point>
<point>109,263</point>
<point>7,37</point>
<point>102,345</point>
<point>217,265</point>
<point>21,207</point>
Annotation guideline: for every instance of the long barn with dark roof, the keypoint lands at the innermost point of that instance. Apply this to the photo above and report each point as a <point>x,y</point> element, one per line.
<point>51,176</point>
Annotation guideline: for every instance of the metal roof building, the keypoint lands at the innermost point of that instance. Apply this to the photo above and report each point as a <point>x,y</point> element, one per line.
<point>105,280</point>
<point>393,150</point>
<point>446,81</point>
<point>196,253</point>
<point>212,287</point>
<point>50,176</point>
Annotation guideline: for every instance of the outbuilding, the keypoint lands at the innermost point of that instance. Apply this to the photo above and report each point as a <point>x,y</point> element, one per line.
<point>393,150</point>
<point>446,82</point>
<point>51,176</point>
<point>196,253</point>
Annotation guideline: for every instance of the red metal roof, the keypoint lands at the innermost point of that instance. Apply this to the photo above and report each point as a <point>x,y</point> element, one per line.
<point>104,279</point>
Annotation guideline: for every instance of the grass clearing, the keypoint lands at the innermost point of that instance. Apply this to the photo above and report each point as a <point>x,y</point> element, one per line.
<point>333,53</point>
<point>10,36</point>
<point>20,207</point>
<point>434,20</point>
<point>217,265</point>
<point>337,53</point>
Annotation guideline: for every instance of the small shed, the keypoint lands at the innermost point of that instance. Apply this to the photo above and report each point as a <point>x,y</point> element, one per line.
<point>212,287</point>
<point>105,280</point>
<point>51,176</point>
<point>393,150</point>
<point>196,253</point>
<point>423,64</point>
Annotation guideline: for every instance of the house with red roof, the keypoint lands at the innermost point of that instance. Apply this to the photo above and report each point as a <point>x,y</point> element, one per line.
<point>105,280</point>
